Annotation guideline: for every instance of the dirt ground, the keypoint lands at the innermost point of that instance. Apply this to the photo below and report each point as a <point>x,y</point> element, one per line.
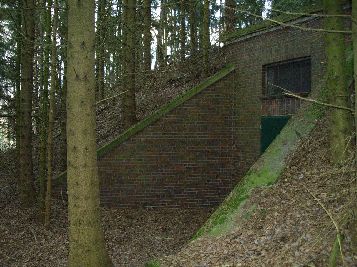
<point>133,237</point>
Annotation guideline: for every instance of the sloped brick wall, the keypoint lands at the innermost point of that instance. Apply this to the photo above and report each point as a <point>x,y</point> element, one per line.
<point>186,158</point>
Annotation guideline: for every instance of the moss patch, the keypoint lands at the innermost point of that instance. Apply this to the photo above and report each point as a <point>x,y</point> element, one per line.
<point>153,263</point>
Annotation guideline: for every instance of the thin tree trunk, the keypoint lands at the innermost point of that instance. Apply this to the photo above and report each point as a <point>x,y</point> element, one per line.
<point>129,102</point>
<point>101,33</point>
<point>182,30</point>
<point>193,27</point>
<point>160,53</point>
<point>27,193</point>
<point>44,105</point>
<point>336,82</point>
<point>147,35</point>
<point>354,41</point>
<point>18,85</point>
<point>206,35</point>
<point>51,115</point>
<point>229,16</point>
<point>86,238</point>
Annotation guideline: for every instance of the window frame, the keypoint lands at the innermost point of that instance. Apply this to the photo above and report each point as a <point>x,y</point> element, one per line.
<point>279,63</point>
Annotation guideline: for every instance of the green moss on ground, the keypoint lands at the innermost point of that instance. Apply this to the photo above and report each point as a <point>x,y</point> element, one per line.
<point>152,263</point>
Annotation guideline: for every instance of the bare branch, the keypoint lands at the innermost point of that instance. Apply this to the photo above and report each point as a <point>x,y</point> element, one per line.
<point>293,25</point>
<point>291,94</point>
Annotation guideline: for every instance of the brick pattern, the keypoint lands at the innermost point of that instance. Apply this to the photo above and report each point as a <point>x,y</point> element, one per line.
<point>184,159</point>
<point>250,55</point>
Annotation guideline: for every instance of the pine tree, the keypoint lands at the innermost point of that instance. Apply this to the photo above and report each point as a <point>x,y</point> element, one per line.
<point>87,246</point>
<point>129,81</point>
<point>193,27</point>
<point>336,81</point>
<point>147,35</point>
<point>27,193</point>
<point>51,115</point>
<point>206,34</point>
<point>230,16</point>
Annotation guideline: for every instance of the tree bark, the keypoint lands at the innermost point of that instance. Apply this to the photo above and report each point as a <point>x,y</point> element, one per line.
<point>147,35</point>
<point>87,245</point>
<point>44,105</point>
<point>336,82</point>
<point>206,35</point>
<point>27,193</point>
<point>354,41</point>
<point>229,16</point>
<point>101,40</point>
<point>129,82</point>
<point>182,30</point>
<point>51,115</point>
<point>193,28</point>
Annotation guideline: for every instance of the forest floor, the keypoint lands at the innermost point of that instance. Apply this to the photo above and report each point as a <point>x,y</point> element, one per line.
<point>133,236</point>
<point>292,222</point>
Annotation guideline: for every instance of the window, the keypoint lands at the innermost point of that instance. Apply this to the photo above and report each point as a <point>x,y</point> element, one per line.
<point>293,75</point>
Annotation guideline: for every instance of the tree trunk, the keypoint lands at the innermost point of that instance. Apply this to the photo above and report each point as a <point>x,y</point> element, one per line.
<point>147,35</point>
<point>336,82</point>
<point>27,193</point>
<point>354,41</point>
<point>51,115</point>
<point>86,238</point>
<point>193,27</point>
<point>18,85</point>
<point>229,16</point>
<point>182,30</point>
<point>129,103</point>
<point>206,35</point>
<point>101,40</point>
<point>44,105</point>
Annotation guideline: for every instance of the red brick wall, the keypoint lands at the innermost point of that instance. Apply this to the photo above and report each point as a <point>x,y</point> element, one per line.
<point>185,158</point>
<point>249,54</point>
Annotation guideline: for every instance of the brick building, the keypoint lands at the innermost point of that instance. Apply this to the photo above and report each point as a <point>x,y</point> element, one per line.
<point>196,148</point>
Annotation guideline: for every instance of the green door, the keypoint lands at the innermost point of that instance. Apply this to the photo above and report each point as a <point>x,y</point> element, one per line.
<point>270,128</point>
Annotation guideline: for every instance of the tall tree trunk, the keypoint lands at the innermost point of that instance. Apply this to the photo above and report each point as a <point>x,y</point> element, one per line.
<point>18,84</point>
<point>229,16</point>
<point>87,245</point>
<point>51,115</point>
<point>182,30</point>
<point>161,48</point>
<point>129,103</point>
<point>336,82</point>
<point>206,35</point>
<point>354,41</point>
<point>44,104</point>
<point>27,193</point>
<point>147,35</point>
<point>64,42</point>
<point>193,27</point>
<point>101,33</point>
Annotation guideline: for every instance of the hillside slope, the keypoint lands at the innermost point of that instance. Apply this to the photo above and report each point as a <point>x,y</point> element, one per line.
<point>286,224</point>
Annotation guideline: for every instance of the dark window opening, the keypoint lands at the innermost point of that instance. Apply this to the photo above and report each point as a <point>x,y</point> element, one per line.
<point>293,75</point>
